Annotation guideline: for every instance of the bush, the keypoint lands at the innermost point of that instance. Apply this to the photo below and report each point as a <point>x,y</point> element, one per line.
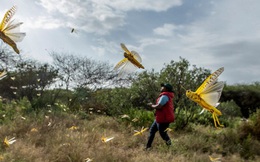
<point>249,148</point>
<point>143,117</point>
<point>242,138</point>
<point>14,109</point>
<point>251,127</point>
<point>230,109</point>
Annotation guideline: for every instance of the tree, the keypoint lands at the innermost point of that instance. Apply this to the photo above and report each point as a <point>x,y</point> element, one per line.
<point>247,97</point>
<point>67,65</point>
<point>182,77</point>
<point>7,58</point>
<point>146,86</point>
<point>29,79</point>
<point>78,72</point>
<point>93,74</point>
<point>145,89</point>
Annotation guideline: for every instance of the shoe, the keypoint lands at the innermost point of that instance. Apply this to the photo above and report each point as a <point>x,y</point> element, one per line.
<point>169,143</point>
<point>148,148</point>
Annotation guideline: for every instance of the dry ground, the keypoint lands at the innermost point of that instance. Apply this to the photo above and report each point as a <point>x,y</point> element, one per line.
<point>52,138</point>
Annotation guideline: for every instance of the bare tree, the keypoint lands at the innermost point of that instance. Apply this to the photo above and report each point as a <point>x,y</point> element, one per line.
<point>28,78</point>
<point>76,72</point>
<point>93,74</point>
<point>8,58</point>
<point>67,65</point>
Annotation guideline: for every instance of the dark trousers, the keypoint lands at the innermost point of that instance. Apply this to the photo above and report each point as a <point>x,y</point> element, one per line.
<point>161,127</point>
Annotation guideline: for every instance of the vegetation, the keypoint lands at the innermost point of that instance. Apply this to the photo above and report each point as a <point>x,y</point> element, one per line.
<point>59,112</point>
<point>247,97</point>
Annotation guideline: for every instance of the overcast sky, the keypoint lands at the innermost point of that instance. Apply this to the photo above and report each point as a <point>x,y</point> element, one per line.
<point>208,33</point>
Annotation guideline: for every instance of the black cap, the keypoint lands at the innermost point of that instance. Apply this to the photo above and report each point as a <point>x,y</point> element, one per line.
<point>167,86</point>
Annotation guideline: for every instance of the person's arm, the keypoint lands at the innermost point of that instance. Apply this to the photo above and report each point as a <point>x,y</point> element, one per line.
<point>163,100</point>
<point>157,106</point>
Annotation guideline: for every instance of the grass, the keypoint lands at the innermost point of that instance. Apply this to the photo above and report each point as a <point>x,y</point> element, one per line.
<point>47,137</point>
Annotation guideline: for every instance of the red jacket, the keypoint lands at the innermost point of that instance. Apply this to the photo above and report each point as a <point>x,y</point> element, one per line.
<point>166,113</point>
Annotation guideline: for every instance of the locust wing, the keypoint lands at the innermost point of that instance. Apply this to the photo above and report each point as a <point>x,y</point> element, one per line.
<point>209,81</point>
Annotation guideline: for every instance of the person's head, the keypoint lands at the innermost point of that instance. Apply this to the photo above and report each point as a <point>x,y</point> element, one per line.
<point>166,87</point>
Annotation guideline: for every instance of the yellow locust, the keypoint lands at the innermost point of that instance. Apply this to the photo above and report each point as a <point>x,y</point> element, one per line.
<point>140,132</point>
<point>132,59</point>
<point>208,94</point>
<point>9,30</point>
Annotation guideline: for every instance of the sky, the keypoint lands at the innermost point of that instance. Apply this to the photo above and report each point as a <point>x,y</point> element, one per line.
<point>208,33</point>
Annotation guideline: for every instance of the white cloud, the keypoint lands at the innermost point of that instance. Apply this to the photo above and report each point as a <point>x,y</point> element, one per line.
<point>126,5</point>
<point>88,16</point>
<point>43,22</point>
<point>100,16</point>
<point>146,42</point>
<point>166,30</point>
<point>103,48</point>
<point>227,39</point>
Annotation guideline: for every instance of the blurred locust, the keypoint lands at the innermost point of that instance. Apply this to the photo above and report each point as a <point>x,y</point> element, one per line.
<point>88,160</point>
<point>106,139</point>
<point>3,74</point>
<point>10,30</point>
<point>131,58</point>
<point>168,130</point>
<point>208,94</point>
<point>140,132</point>
<point>214,159</point>
<point>8,142</point>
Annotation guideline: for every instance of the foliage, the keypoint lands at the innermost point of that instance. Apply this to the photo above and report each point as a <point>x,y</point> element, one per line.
<point>180,75</point>
<point>144,89</point>
<point>247,97</point>
<point>114,101</point>
<point>251,127</point>
<point>48,136</point>
<point>38,98</point>
<point>230,109</point>
<point>13,109</point>
<point>29,79</point>
<point>139,117</point>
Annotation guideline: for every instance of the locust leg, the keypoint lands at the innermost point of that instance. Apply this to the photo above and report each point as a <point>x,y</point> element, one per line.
<point>216,121</point>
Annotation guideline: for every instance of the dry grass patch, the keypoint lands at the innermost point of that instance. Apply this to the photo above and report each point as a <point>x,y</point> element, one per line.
<point>59,138</point>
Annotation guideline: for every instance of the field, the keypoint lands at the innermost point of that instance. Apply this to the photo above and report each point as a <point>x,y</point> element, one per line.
<point>63,137</point>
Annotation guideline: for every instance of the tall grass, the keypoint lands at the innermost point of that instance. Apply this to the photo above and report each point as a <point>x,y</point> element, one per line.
<point>49,137</point>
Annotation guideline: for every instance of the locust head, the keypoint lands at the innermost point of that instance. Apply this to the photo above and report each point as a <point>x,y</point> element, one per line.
<point>125,55</point>
<point>192,95</point>
<point>188,93</point>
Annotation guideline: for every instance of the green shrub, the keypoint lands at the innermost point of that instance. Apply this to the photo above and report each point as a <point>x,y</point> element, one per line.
<point>139,117</point>
<point>13,109</point>
<point>243,138</point>
<point>251,126</point>
<point>230,109</point>
<point>249,148</point>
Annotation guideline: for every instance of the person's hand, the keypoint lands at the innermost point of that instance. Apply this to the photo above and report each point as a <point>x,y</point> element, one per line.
<point>149,104</point>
